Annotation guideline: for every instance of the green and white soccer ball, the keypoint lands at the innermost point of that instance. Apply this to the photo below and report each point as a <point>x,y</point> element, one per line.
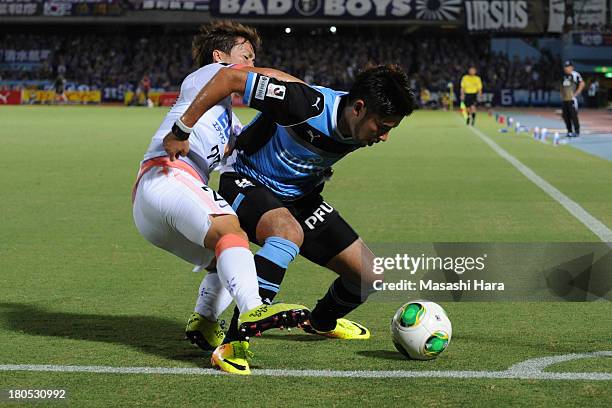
<point>421,330</point>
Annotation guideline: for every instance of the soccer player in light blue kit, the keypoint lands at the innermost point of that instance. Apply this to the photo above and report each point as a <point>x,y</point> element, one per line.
<point>284,157</point>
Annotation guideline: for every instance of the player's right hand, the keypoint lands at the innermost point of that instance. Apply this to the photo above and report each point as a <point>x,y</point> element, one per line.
<point>175,147</point>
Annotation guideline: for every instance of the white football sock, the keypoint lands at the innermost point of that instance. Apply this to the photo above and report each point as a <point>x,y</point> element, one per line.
<point>237,273</point>
<point>213,298</point>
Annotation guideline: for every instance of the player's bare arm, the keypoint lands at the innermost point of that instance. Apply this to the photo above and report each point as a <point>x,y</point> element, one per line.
<point>222,85</point>
<point>579,90</point>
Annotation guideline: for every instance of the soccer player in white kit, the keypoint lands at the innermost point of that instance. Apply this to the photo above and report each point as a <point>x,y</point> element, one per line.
<point>175,210</point>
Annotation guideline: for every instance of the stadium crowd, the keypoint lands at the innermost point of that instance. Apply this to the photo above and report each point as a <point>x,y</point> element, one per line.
<point>100,61</point>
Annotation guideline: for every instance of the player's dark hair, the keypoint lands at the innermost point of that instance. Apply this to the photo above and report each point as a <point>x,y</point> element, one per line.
<point>385,90</point>
<point>220,35</point>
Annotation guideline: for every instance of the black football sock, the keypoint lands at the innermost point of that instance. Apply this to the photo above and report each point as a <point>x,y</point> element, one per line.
<point>271,262</point>
<point>232,331</point>
<point>337,302</point>
<point>269,277</point>
<point>473,119</point>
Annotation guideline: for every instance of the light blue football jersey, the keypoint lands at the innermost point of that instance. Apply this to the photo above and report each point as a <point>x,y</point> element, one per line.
<point>294,139</point>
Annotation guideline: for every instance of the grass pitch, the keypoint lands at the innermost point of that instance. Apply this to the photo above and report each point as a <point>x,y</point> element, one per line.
<point>79,286</point>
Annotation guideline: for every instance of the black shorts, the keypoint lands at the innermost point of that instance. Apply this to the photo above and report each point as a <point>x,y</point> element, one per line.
<point>470,99</point>
<point>326,233</point>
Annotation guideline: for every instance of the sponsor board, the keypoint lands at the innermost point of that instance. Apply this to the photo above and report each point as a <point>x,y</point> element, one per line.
<point>440,10</point>
<point>20,8</point>
<point>10,97</point>
<point>504,15</point>
<point>30,96</point>
<point>158,98</point>
<point>167,98</point>
<point>177,5</point>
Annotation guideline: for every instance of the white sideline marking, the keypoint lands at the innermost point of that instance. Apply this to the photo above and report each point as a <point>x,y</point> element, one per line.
<point>539,364</point>
<point>526,370</point>
<point>597,227</point>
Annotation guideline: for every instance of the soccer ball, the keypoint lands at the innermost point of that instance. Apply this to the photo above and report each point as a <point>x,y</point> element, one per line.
<point>421,330</point>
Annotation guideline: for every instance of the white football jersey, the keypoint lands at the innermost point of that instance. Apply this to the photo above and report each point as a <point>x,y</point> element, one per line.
<point>210,134</point>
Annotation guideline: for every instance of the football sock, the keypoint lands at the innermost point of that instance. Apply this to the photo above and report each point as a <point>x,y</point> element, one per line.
<point>473,119</point>
<point>236,270</point>
<point>213,298</point>
<point>271,261</point>
<point>341,299</point>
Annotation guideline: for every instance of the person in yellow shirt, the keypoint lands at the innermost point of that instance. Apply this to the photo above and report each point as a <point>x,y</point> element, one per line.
<point>471,87</point>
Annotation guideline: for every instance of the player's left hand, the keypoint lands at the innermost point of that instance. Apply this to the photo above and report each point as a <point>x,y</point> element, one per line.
<point>175,147</point>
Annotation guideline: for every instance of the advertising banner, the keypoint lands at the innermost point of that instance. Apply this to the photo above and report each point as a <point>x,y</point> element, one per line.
<point>524,16</point>
<point>556,16</point>
<point>10,97</point>
<point>504,15</point>
<point>440,10</point>
<point>82,8</point>
<point>61,8</point>
<point>173,5</point>
<point>167,98</point>
<point>48,97</point>
<point>524,97</point>
<point>10,55</point>
<point>130,98</point>
<point>20,7</point>
<point>592,39</point>
<point>590,12</point>
<point>579,13</point>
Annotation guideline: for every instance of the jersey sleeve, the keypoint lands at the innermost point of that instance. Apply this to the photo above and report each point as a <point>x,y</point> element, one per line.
<point>195,81</point>
<point>479,84</point>
<point>463,82</point>
<point>578,78</point>
<point>287,103</point>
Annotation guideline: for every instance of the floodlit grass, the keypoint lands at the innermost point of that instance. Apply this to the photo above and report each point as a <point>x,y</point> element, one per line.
<point>79,286</point>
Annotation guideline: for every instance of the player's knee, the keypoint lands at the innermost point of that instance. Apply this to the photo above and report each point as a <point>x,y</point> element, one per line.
<point>221,226</point>
<point>280,223</point>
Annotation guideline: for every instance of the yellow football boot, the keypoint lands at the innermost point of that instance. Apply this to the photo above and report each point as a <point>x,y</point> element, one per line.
<point>232,357</point>
<point>202,332</point>
<point>345,329</point>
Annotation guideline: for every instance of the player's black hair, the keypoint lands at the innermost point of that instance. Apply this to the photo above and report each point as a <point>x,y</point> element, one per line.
<point>385,90</point>
<point>220,35</point>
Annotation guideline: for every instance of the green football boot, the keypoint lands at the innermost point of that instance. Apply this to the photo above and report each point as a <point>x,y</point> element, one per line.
<point>202,332</point>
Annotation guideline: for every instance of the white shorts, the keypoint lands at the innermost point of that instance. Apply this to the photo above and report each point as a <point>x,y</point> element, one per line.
<point>172,210</point>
